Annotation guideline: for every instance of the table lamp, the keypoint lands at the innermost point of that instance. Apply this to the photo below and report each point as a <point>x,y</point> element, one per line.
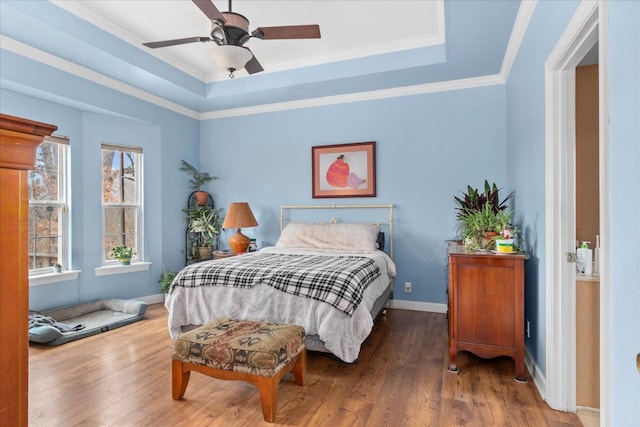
<point>239,215</point>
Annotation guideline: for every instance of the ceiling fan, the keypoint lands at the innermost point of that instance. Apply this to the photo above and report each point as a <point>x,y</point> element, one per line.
<point>230,31</point>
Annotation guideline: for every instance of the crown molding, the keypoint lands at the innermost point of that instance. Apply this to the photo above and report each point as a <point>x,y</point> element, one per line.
<point>78,9</point>
<point>525,12</point>
<point>43,57</point>
<point>438,37</point>
<point>450,85</point>
<point>82,72</point>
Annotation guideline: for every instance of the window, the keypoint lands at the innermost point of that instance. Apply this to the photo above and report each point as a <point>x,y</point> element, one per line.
<point>48,208</point>
<point>121,200</point>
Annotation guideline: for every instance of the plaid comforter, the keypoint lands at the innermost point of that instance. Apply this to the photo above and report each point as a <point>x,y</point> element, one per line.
<point>336,280</point>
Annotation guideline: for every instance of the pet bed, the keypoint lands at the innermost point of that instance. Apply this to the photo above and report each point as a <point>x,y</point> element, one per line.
<point>63,324</point>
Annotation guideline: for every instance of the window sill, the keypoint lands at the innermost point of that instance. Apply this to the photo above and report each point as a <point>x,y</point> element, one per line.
<point>107,270</point>
<point>45,279</point>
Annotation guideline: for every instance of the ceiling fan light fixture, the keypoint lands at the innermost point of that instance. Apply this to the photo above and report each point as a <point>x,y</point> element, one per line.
<point>218,36</point>
<point>231,57</point>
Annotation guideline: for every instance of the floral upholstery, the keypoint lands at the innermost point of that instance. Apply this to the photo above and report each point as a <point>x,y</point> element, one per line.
<point>251,347</point>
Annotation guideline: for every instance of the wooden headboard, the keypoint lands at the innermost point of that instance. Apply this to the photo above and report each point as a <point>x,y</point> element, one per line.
<point>285,211</point>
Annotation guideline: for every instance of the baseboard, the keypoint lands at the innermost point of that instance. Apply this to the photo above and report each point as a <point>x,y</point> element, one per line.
<point>151,299</point>
<point>418,306</point>
<point>536,374</point>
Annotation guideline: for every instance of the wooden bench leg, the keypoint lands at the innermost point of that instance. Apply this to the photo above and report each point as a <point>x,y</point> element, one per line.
<point>269,386</point>
<point>300,370</point>
<point>269,396</point>
<point>179,379</point>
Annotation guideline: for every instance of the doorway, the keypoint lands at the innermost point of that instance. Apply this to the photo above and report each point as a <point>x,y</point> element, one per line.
<point>587,27</point>
<point>587,231</point>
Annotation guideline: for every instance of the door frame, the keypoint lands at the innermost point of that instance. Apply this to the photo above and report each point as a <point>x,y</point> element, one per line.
<point>587,26</point>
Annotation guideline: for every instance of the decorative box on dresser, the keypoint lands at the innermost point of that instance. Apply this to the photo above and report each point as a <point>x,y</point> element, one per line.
<point>486,306</point>
<point>19,140</point>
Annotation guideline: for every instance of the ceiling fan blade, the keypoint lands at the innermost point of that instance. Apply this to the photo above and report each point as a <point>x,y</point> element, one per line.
<point>253,66</point>
<point>209,9</point>
<point>165,43</point>
<point>288,32</point>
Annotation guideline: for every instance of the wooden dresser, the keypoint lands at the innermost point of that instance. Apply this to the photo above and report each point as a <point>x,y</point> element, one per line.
<point>486,307</point>
<point>19,139</point>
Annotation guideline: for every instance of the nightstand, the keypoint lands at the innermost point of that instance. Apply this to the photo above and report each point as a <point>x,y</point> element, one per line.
<point>223,254</point>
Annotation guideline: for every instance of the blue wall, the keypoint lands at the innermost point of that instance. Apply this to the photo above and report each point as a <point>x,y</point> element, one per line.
<point>429,147</point>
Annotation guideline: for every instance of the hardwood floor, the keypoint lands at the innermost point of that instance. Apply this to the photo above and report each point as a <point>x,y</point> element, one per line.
<point>123,378</point>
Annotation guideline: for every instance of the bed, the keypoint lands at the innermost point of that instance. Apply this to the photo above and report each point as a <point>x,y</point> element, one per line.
<point>334,279</point>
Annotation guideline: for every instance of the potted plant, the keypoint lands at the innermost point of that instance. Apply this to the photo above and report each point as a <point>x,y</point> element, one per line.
<point>198,179</point>
<point>57,268</point>
<point>165,280</point>
<point>206,223</point>
<point>482,216</point>
<point>123,254</point>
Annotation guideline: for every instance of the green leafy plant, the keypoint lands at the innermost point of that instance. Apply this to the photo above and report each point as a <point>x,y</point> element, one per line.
<point>198,178</point>
<point>122,252</point>
<point>479,228</point>
<point>481,216</point>
<point>205,221</point>
<point>473,200</point>
<point>165,280</point>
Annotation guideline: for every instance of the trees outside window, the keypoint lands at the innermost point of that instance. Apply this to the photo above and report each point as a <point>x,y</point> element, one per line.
<point>121,200</point>
<point>48,209</point>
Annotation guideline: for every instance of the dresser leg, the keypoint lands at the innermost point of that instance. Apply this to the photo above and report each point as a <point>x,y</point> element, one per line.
<point>453,358</point>
<point>521,373</point>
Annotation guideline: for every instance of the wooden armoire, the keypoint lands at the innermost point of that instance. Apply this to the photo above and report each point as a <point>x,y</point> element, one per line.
<point>19,139</point>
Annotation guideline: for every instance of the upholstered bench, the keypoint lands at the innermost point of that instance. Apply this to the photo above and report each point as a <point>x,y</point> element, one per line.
<point>257,352</point>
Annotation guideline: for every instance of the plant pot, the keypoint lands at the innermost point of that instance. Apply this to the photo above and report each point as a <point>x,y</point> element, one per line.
<point>201,197</point>
<point>204,252</point>
<point>487,239</point>
<point>125,261</point>
<point>505,245</point>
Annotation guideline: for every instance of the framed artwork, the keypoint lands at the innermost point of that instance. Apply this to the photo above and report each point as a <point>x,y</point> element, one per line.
<point>344,170</point>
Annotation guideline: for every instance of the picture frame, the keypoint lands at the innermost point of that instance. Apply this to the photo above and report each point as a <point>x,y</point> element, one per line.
<point>343,170</point>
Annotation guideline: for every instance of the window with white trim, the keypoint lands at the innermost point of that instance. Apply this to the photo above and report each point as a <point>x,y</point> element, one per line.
<point>48,208</point>
<point>121,200</point>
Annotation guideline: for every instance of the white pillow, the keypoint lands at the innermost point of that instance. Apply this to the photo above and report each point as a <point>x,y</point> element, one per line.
<point>340,236</point>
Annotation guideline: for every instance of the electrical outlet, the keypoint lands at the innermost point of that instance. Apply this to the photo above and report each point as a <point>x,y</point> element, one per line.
<point>528,330</point>
<point>407,287</point>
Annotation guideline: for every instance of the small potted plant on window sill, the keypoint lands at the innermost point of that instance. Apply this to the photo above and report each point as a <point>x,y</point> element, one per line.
<point>123,254</point>
<point>57,268</point>
<point>198,179</point>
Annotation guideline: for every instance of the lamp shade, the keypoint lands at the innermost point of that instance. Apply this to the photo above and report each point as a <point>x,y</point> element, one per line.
<point>231,57</point>
<point>239,215</point>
